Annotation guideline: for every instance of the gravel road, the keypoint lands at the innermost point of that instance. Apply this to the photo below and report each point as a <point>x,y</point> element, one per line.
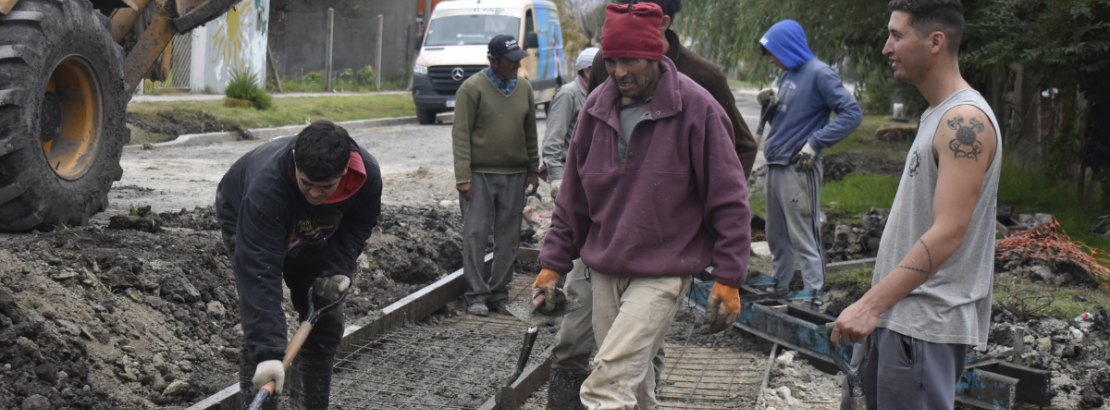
<point>175,178</point>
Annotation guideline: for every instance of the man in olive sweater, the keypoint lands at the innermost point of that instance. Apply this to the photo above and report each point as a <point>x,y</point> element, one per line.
<point>496,159</point>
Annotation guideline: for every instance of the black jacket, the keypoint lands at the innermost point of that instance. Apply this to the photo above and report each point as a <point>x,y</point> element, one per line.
<point>276,229</point>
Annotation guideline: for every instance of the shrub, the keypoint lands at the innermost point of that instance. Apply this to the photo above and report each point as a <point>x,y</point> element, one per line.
<point>366,75</point>
<point>244,86</point>
<point>313,77</point>
<point>347,75</point>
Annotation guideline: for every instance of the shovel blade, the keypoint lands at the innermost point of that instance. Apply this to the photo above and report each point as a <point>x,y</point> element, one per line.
<point>522,309</point>
<point>506,399</point>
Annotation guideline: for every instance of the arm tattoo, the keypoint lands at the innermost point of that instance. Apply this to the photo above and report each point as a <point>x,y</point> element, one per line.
<point>966,144</point>
<point>928,272</point>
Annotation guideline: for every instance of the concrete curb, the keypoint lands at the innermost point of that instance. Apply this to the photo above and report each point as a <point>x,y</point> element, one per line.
<point>195,140</point>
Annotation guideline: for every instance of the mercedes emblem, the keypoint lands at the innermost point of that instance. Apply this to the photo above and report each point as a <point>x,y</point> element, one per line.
<point>457,74</point>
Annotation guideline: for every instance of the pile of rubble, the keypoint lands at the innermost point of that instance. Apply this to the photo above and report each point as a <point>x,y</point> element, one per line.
<point>1044,252</point>
<point>1077,354</point>
<point>844,241</point>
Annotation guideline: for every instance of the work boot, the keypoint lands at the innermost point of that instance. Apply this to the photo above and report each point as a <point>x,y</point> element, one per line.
<point>563,389</point>
<point>310,382</point>
<point>478,308</point>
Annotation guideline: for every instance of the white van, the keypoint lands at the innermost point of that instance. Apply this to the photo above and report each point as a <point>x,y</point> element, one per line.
<point>454,48</point>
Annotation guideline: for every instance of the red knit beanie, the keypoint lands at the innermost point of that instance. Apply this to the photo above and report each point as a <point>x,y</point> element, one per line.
<point>632,35</point>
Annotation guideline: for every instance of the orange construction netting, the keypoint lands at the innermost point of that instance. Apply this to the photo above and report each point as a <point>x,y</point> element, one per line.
<point>1049,243</point>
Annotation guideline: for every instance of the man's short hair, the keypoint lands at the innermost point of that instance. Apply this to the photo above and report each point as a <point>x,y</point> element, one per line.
<point>670,7</point>
<point>928,16</point>
<point>323,150</point>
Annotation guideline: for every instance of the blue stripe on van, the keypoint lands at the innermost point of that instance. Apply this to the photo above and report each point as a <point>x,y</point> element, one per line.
<point>541,54</point>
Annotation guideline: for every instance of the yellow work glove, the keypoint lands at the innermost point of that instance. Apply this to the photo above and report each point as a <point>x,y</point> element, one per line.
<point>546,284</point>
<point>723,307</point>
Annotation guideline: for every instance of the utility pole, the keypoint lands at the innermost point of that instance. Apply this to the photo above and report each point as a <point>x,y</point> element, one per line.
<point>331,32</point>
<point>378,58</point>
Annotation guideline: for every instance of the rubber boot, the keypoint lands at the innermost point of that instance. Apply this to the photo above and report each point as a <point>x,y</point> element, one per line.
<point>563,389</point>
<point>246,384</point>
<point>310,382</point>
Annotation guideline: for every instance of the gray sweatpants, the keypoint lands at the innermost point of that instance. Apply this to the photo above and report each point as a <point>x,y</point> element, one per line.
<point>907,373</point>
<point>793,224</point>
<point>496,201</point>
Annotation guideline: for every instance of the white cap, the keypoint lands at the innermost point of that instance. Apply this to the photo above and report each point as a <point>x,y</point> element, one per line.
<point>585,58</point>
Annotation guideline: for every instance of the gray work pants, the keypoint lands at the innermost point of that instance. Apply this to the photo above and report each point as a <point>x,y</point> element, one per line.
<point>574,343</point>
<point>497,202</point>
<point>793,224</point>
<point>907,373</point>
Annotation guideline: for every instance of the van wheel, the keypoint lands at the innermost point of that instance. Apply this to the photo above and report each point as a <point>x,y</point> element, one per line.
<point>425,117</point>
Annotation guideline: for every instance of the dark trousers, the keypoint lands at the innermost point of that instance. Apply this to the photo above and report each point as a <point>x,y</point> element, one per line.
<point>907,373</point>
<point>309,375</point>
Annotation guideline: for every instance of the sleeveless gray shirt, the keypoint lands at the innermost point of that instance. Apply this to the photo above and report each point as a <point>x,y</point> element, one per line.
<point>954,305</point>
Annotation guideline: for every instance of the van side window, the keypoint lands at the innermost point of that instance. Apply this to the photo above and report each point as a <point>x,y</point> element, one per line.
<point>529,24</point>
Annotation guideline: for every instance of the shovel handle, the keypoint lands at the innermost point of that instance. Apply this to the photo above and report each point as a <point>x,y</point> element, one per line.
<point>291,351</point>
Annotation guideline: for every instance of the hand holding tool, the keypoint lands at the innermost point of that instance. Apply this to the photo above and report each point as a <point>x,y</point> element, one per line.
<point>852,372</point>
<point>531,313</point>
<point>723,307</point>
<point>291,350</point>
<point>767,97</point>
<point>330,287</point>
<point>546,284</point>
<point>267,371</point>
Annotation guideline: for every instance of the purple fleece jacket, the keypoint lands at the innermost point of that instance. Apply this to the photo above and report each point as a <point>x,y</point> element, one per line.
<point>680,203</point>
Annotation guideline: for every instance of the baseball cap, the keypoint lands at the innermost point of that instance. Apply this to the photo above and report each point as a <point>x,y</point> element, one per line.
<point>505,45</point>
<point>585,59</point>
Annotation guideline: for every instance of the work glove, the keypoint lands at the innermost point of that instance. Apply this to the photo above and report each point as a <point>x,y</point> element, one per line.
<point>767,96</point>
<point>805,159</point>
<point>331,287</point>
<point>267,371</point>
<point>546,284</point>
<point>723,307</point>
<point>555,183</point>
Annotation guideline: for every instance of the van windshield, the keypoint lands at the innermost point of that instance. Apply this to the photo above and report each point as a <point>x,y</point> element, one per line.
<point>470,29</point>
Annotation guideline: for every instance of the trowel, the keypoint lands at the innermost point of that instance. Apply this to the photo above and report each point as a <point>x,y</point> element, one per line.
<point>526,311</point>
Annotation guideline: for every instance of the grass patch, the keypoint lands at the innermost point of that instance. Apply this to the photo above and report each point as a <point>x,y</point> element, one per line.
<point>1034,192</point>
<point>857,194</point>
<point>861,276</point>
<point>1067,301</point>
<point>862,140</point>
<point>288,111</point>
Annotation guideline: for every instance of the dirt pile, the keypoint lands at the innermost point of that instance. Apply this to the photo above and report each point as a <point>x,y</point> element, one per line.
<point>173,124</point>
<point>97,318</point>
<point>1045,253</point>
<point>846,240</point>
<point>842,164</point>
<point>1077,354</point>
<point>795,384</point>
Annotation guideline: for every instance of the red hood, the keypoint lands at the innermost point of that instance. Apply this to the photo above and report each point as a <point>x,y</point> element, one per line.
<point>352,180</point>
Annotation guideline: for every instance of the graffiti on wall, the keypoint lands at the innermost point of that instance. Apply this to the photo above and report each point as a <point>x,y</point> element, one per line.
<point>237,41</point>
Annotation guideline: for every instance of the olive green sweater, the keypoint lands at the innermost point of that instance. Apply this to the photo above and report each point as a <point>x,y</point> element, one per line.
<point>494,133</point>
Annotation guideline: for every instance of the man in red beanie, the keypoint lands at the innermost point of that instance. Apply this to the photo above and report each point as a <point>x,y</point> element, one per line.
<point>646,202</point>
<point>702,71</point>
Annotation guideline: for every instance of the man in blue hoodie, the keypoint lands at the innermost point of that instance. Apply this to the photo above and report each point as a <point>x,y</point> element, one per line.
<point>809,91</point>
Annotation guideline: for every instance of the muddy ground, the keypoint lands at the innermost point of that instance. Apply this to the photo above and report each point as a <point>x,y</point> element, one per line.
<point>97,318</point>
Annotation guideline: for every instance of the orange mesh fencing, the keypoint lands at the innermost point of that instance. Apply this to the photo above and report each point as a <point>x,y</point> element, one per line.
<point>1049,243</point>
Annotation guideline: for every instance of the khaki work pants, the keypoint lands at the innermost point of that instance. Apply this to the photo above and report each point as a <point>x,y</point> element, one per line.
<point>631,318</point>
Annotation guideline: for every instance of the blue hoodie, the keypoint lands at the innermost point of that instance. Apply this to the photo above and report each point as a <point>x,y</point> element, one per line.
<point>809,91</point>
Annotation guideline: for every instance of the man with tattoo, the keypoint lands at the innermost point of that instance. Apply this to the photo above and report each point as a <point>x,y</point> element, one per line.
<point>931,294</point>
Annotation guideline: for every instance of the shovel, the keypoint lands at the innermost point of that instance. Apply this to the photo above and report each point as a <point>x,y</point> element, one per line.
<point>852,372</point>
<point>526,312</point>
<point>294,345</point>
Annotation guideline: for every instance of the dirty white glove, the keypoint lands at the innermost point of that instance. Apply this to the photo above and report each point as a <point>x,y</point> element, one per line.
<point>267,371</point>
<point>767,96</point>
<point>555,184</point>
<point>331,287</point>
<point>804,160</point>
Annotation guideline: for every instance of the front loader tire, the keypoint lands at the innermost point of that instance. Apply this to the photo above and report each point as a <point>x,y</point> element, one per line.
<point>62,114</point>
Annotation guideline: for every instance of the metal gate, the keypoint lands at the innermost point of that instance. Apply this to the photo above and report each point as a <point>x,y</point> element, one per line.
<point>180,60</point>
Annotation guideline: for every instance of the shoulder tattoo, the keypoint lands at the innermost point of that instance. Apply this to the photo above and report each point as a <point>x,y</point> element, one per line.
<point>966,144</point>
